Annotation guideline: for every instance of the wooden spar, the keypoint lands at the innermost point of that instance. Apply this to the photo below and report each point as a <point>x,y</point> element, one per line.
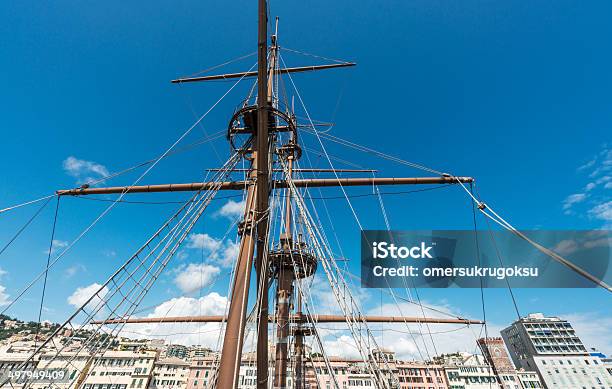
<point>305,170</point>
<point>240,185</point>
<point>234,331</point>
<point>294,318</point>
<point>229,76</point>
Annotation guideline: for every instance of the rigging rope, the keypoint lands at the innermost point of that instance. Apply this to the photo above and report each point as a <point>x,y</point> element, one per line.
<point>30,220</point>
<point>477,245</point>
<point>216,135</point>
<point>313,55</point>
<point>407,289</point>
<point>346,302</point>
<point>220,65</point>
<point>42,297</point>
<point>26,203</point>
<point>481,206</point>
<point>102,298</point>
<point>120,197</point>
<point>331,164</point>
<point>369,150</point>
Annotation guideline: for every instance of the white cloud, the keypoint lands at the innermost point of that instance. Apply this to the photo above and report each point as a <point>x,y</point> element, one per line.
<point>602,211</point>
<point>82,294</point>
<point>205,334</point>
<point>109,253</point>
<point>603,163</point>
<point>203,241</point>
<point>74,269</point>
<point>324,300</point>
<point>573,199</point>
<point>587,165</point>
<point>84,171</point>
<point>56,245</point>
<point>219,252</point>
<point>594,195</point>
<point>232,209</point>
<point>4,297</point>
<point>341,346</point>
<point>182,255</point>
<point>566,247</point>
<point>193,276</point>
<point>229,254</point>
<point>211,304</point>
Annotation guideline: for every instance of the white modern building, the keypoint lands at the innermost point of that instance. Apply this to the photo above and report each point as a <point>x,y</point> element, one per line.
<point>550,346</point>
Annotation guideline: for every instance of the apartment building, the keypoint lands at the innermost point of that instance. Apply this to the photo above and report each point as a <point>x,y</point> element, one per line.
<point>468,371</point>
<point>170,373</point>
<point>120,370</point>
<point>529,379</point>
<point>551,347</point>
<point>353,374</point>
<point>200,372</point>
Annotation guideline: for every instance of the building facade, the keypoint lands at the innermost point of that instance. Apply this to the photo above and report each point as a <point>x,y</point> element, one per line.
<point>170,373</point>
<point>468,371</point>
<point>353,374</point>
<point>120,370</point>
<point>551,347</point>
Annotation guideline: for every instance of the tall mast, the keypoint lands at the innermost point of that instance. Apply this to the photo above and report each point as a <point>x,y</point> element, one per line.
<point>284,290</point>
<point>262,148</point>
<point>292,260</point>
<point>254,232</point>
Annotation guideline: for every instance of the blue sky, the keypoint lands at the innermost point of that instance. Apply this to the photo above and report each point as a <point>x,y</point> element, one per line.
<point>514,94</point>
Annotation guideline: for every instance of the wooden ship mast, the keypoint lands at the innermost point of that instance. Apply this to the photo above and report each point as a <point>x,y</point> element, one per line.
<point>291,261</point>
<point>265,136</point>
<point>285,260</point>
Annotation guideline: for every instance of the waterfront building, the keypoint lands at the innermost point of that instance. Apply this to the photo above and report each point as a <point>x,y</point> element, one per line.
<point>121,370</point>
<point>551,347</point>
<point>170,373</point>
